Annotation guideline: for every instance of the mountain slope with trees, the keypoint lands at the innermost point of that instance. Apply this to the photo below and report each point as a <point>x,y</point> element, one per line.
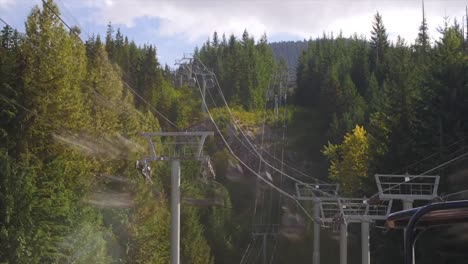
<point>71,114</point>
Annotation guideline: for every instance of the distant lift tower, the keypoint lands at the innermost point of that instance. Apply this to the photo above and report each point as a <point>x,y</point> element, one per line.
<point>407,188</point>
<point>345,211</point>
<point>316,193</point>
<point>174,147</point>
<point>191,71</point>
<point>265,231</point>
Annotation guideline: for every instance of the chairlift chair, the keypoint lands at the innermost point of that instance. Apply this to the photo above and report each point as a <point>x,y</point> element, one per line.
<point>422,218</point>
<point>143,165</point>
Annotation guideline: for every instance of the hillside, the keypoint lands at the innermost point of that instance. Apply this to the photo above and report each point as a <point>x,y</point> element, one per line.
<point>289,50</point>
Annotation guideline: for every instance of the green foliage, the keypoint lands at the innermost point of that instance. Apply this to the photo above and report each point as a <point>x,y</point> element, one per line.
<point>243,68</point>
<point>60,98</point>
<point>349,161</point>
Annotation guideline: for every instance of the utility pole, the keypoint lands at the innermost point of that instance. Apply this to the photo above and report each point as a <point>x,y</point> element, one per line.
<point>174,147</point>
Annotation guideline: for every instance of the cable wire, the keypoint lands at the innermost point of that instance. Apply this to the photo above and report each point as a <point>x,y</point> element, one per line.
<point>242,162</point>
<point>236,124</point>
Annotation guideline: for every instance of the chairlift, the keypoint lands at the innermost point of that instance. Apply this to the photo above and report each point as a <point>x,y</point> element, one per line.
<point>143,165</point>
<point>209,82</point>
<point>207,170</point>
<point>422,218</point>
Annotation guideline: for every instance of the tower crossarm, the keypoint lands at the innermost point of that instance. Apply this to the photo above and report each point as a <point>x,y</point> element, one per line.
<point>407,187</point>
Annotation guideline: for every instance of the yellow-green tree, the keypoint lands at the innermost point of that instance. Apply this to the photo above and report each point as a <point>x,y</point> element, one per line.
<point>349,161</point>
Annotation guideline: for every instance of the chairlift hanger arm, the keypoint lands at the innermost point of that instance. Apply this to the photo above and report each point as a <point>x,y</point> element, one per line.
<point>451,212</point>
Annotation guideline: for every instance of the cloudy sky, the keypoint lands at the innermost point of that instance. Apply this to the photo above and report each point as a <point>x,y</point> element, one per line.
<point>177,26</point>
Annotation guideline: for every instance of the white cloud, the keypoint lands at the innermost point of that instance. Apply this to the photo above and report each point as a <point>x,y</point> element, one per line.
<point>4,4</point>
<point>196,20</point>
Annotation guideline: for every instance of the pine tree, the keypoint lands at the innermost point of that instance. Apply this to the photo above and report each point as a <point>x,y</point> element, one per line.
<point>423,41</point>
<point>110,41</point>
<point>215,40</point>
<point>379,46</point>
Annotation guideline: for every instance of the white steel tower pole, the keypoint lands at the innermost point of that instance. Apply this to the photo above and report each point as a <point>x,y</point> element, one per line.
<point>175,212</point>
<point>407,204</point>
<point>316,250</point>
<point>343,244</point>
<point>365,253</point>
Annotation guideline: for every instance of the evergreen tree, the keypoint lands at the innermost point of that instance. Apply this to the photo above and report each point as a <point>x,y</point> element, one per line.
<point>423,41</point>
<point>379,46</point>
<point>110,40</point>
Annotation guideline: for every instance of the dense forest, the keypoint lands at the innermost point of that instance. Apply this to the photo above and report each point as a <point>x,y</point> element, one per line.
<point>242,67</point>
<point>71,113</point>
<point>70,120</point>
<point>386,104</point>
<point>366,106</point>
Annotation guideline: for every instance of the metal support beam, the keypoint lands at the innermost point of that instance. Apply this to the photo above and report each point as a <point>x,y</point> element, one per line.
<point>343,244</point>
<point>203,106</point>
<point>175,212</point>
<point>316,251</point>
<point>407,204</point>
<point>200,147</point>
<point>365,253</point>
<point>178,146</point>
<point>265,259</point>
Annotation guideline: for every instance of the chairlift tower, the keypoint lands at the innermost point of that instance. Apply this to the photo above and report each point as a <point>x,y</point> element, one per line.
<point>263,226</point>
<point>192,70</point>
<point>317,193</point>
<point>345,211</point>
<point>407,188</point>
<point>264,231</point>
<point>184,71</point>
<point>174,147</point>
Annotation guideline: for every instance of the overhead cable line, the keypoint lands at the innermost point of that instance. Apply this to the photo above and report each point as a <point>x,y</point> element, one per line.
<point>242,162</point>
<point>247,139</point>
<point>271,166</point>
